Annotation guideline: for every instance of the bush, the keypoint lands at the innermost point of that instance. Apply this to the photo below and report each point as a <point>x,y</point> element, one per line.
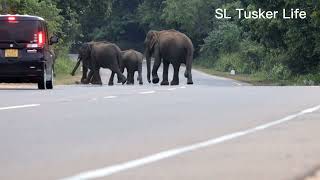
<point>309,79</point>
<point>64,65</point>
<point>253,53</point>
<point>223,40</point>
<point>233,61</point>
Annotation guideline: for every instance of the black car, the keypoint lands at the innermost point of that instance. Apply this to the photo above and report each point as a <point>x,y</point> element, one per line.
<point>25,52</point>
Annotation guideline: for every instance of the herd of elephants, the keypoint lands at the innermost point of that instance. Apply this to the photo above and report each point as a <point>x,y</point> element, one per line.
<point>166,46</point>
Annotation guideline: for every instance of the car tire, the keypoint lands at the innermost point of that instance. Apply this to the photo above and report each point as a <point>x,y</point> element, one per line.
<point>42,80</point>
<point>49,84</point>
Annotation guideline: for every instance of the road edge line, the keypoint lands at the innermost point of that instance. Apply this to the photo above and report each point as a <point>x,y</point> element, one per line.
<point>19,107</point>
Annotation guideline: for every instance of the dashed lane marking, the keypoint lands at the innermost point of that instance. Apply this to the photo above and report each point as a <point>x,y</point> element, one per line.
<point>93,99</point>
<point>110,97</point>
<point>238,84</point>
<point>117,168</point>
<point>19,107</point>
<point>147,92</point>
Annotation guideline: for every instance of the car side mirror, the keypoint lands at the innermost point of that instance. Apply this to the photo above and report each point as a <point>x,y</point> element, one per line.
<point>54,40</point>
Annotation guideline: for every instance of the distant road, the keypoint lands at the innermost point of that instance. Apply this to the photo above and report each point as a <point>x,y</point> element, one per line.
<point>215,129</point>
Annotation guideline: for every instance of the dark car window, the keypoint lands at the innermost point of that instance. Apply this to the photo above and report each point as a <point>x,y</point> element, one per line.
<point>19,31</point>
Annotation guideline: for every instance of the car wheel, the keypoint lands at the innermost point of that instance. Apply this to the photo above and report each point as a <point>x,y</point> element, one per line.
<point>42,80</point>
<point>49,83</point>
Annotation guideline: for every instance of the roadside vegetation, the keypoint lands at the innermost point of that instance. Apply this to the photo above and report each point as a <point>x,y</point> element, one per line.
<point>264,52</point>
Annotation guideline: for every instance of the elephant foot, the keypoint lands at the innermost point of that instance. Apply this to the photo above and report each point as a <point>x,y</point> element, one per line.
<point>130,83</point>
<point>186,74</point>
<point>96,83</point>
<point>119,81</point>
<point>140,83</point>
<point>77,82</point>
<point>174,83</point>
<point>190,82</point>
<point>83,81</point>
<point>164,83</point>
<point>124,80</point>
<point>155,80</point>
<point>110,84</point>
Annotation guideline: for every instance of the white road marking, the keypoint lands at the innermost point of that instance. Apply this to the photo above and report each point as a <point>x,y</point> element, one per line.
<point>147,92</point>
<point>93,99</point>
<point>65,100</point>
<point>110,170</point>
<point>238,84</point>
<point>110,97</point>
<point>19,107</point>
<point>171,89</point>
<point>183,87</point>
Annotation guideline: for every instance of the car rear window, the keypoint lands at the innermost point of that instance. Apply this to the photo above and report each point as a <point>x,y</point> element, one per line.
<point>19,31</point>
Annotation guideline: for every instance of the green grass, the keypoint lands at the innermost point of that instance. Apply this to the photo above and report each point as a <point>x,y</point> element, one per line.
<point>254,79</point>
<point>63,68</point>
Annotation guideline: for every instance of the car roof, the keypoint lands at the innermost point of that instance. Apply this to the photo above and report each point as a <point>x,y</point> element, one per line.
<point>21,17</point>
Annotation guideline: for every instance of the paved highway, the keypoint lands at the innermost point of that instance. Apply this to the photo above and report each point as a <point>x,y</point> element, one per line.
<point>215,129</point>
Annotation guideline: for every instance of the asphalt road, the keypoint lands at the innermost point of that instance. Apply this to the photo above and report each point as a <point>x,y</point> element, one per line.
<point>215,129</point>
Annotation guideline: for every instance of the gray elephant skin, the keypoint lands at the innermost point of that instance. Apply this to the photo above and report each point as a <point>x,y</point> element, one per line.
<point>83,54</point>
<point>96,55</point>
<point>132,62</point>
<point>169,47</point>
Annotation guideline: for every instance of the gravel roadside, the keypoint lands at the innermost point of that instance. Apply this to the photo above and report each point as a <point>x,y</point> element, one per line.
<point>315,177</point>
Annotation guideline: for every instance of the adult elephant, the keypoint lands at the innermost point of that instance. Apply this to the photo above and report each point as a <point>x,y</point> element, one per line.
<point>96,55</point>
<point>84,54</point>
<point>132,61</point>
<point>171,47</point>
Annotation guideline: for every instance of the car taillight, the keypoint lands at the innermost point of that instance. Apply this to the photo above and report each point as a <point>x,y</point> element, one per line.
<point>41,39</point>
<point>38,41</point>
<point>11,18</point>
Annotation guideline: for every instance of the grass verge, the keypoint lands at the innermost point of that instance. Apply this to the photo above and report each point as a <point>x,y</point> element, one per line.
<point>63,67</point>
<point>253,79</point>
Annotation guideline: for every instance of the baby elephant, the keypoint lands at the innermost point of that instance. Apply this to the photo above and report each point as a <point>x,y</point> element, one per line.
<point>132,61</point>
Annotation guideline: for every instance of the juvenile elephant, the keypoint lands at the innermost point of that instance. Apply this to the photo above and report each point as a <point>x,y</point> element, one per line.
<point>171,47</point>
<point>96,55</point>
<point>132,61</point>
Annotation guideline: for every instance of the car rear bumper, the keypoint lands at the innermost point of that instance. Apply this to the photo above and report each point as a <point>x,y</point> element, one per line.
<point>21,71</point>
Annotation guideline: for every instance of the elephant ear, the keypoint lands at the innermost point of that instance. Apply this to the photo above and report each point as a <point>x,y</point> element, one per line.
<point>154,39</point>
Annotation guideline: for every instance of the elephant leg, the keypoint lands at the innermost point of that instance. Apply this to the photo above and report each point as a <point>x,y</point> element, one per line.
<point>130,77</point>
<point>84,75</point>
<point>88,78</point>
<point>119,78</point>
<point>116,70</point>
<point>165,80</point>
<point>156,65</point>
<point>96,79</point>
<point>140,74</point>
<point>175,80</point>
<point>111,79</point>
<point>188,73</point>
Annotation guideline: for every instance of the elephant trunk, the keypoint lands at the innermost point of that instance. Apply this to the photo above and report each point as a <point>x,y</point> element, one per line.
<point>76,67</point>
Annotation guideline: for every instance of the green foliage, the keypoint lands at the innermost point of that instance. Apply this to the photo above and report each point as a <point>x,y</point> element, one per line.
<point>276,49</point>
<point>64,65</point>
<point>223,40</point>
<point>44,8</point>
